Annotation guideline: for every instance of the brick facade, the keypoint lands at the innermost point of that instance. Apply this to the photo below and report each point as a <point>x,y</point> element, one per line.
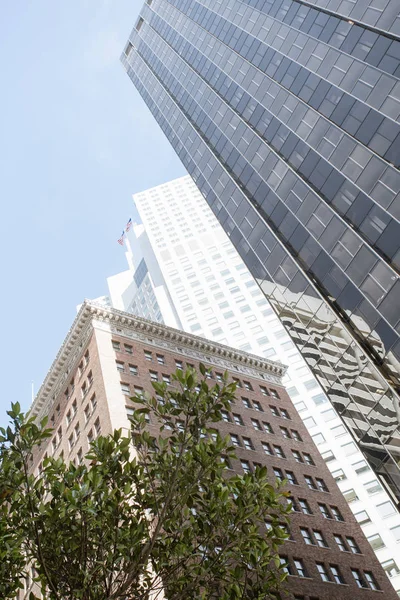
<point>116,356</point>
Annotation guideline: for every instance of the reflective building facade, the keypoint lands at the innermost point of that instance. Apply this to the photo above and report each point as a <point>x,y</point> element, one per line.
<point>287,116</point>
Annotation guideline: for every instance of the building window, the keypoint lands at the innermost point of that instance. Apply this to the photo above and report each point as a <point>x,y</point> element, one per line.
<point>148,355</point>
<point>319,399</point>
<point>290,476</point>
<point>278,474</point>
<point>300,568</point>
<point>133,370</point>
<point>337,575</point>
<point>160,359</point>
<point>237,419</point>
<point>274,411</point>
<point>323,572</point>
<point>396,532</point>
<point>267,427</point>
<point>248,386</point>
<point>310,482</point>
<point>320,539</point>
<point>350,496</point>
<point>328,456</point>
<point>246,402</point>
<point>328,415</point>
<point>97,427</point>
<point>340,542</point>
<point>285,433</point>
<point>125,387</point>
<point>257,406</point>
<point>358,578</point>
<point>362,517</point>
<point>267,448</point>
<point>324,511</point>
<point>373,584</point>
<point>71,441</point>
<point>361,467</point>
<point>321,485</point>
<point>116,346</point>
<point>353,545</point>
<point>339,475</point>
<point>264,390</point>
<point>256,424</point>
<point>225,416</point>
<point>376,541</point>
<point>386,509</point>
<point>128,348</point>
<point>235,440</point>
<point>153,375</point>
<point>337,515</point>
<point>309,422</point>
<point>295,435</point>
<point>179,364</point>
<point>284,414</point>
<point>279,452</point>
<point>373,487</point>
<point>308,459</point>
<point>248,443</point>
<point>297,456</point>
<point>307,536</point>
<point>349,448</point>
<point>120,365</point>
<point>305,507</point>
<point>390,567</point>
<point>318,439</point>
<point>245,466</point>
<point>285,565</point>
<point>87,413</point>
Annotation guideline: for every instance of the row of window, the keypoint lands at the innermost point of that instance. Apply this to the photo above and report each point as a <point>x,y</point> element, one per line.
<point>291,434</point>
<point>271,450</point>
<point>160,358</point>
<point>255,405</point>
<point>328,512</point>
<point>313,483</point>
<point>313,537</point>
<point>329,573</point>
<point>81,369</point>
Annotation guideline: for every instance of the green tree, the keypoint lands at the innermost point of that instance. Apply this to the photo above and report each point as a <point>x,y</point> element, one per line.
<point>146,516</point>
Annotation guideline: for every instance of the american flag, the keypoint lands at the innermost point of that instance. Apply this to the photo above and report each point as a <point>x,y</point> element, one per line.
<point>128,225</point>
<point>121,239</point>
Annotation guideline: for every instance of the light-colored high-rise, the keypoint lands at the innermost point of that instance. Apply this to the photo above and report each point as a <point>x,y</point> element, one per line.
<point>184,272</point>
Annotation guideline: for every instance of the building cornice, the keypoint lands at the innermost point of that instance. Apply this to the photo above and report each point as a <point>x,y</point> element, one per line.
<point>121,322</point>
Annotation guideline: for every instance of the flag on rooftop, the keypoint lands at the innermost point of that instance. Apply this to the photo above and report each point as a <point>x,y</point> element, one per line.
<point>128,225</point>
<point>121,239</point>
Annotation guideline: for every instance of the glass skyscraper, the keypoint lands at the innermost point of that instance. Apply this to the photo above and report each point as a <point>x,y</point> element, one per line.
<point>287,116</point>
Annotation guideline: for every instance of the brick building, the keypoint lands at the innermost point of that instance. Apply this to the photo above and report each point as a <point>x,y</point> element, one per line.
<point>109,355</point>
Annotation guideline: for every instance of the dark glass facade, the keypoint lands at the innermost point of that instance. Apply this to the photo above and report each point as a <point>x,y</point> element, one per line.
<point>287,116</point>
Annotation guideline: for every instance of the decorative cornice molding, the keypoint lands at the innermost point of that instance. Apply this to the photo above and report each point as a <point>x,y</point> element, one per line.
<point>139,328</point>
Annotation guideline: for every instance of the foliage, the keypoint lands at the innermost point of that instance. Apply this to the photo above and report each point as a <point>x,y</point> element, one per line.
<point>151,514</point>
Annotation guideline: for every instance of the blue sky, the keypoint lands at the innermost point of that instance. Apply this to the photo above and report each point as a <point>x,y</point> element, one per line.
<point>76,142</point>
